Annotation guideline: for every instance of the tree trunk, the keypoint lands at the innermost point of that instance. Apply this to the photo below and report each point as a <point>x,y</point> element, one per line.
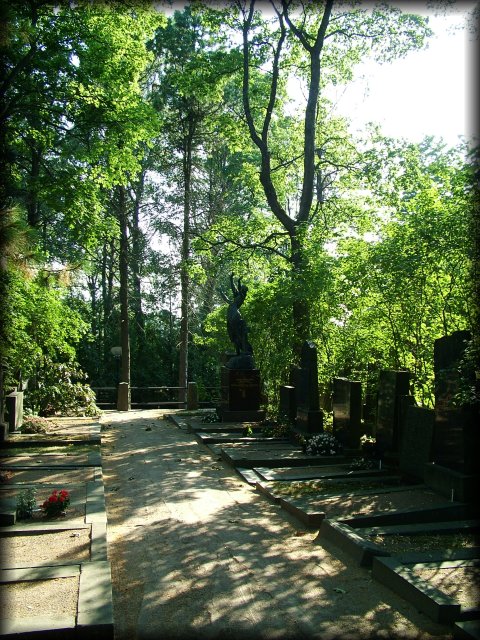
<point>136,260</point>
<point>300,308</point>
<point>124,323</point>
<point>184,276</point>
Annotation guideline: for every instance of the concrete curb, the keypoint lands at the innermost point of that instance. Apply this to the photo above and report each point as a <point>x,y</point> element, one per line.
<point>94,617</point>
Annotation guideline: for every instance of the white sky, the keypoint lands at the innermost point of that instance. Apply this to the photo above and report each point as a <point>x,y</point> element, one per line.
<point>430,92</point>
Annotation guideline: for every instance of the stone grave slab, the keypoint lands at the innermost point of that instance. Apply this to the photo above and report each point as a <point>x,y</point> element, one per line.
<point>92,459</point>
<point>279,456</point>
<point>323,487</point>
<point>236,438</point>
<point>222,427</point>
<point>332,470</point>
<point>24,548</point>
<point>313,510</point>
<point>50,439</point>
<point>68,601</point>
<point>34,475</point>
<point>359,536</point>
<point>445,589</point>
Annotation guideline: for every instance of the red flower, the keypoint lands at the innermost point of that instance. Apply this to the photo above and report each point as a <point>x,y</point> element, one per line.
<point>53,498</point>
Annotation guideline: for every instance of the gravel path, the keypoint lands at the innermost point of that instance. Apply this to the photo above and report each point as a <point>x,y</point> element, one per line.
<point>197,553</point>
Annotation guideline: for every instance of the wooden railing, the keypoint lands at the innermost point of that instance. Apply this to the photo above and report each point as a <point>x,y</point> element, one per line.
<point>166,397</point>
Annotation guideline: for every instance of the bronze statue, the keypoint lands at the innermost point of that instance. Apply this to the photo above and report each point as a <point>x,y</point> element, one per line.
<point>237,328</point>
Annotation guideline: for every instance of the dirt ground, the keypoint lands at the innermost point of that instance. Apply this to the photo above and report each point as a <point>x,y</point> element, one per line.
<point>195,552</point>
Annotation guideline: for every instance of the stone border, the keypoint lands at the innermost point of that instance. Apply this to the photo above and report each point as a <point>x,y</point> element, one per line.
<point>50,442</point>
<point>313,516</point>
<point>346,533</point>
<point>429,600</point>
<point>94,617</point>
<point>467,630</point>
<point>346,538</point>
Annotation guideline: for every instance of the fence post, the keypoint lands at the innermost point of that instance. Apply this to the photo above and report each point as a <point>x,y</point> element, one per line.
<point>192,395</point>
<point>123,399</point>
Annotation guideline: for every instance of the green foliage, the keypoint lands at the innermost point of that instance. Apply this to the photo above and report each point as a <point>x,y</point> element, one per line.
<point>26,503</point>
<point>210,418</point>
<point>59,389</point>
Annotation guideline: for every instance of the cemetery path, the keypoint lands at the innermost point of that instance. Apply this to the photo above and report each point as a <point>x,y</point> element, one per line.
<point>197,553</point>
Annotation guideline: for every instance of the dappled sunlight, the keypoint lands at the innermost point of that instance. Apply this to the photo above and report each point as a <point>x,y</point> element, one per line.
<point>196,552</point>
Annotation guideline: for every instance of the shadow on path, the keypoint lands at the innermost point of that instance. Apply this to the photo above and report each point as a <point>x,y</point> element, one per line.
<point>197,553</point>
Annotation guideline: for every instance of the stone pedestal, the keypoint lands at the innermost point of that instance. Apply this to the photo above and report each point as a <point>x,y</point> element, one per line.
<point>240,395</point>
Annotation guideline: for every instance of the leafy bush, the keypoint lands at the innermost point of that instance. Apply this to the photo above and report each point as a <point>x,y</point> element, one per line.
<point>26,503</point>
<point>361,464</point>
<point>210,418</point>
<point>59,390</point>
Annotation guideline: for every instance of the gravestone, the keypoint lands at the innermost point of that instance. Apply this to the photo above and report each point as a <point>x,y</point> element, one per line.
<point>391,385</point>
<point>309,415</point>
<point>455,440</point>
<point>14,406</point>
<point>241,395</point>
<point>288,402</point>
<point>347,410</point>
<point>416,445</point>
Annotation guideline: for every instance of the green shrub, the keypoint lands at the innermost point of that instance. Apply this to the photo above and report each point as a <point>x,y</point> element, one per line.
<point>26,503</point>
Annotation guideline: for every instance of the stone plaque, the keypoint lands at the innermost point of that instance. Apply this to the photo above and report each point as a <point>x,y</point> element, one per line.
<point>347,410</point>
<point>240,395</point>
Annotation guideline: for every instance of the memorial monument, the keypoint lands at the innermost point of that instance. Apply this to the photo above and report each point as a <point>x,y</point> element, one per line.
<point>240,380</point>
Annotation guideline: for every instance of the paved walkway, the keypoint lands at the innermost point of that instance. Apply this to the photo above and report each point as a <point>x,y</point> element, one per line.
<point>197,553</point>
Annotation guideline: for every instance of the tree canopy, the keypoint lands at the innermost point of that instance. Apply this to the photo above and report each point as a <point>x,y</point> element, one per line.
<point>149,154</point>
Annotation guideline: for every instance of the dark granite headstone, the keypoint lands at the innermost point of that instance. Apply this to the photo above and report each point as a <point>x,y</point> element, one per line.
<point>347,409</point>
<point>416,445</point>
<point>288,402</point>
<point>240,395</point>
<point>391,385</point>
<point>456,439</point>
<point>309,415</point>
